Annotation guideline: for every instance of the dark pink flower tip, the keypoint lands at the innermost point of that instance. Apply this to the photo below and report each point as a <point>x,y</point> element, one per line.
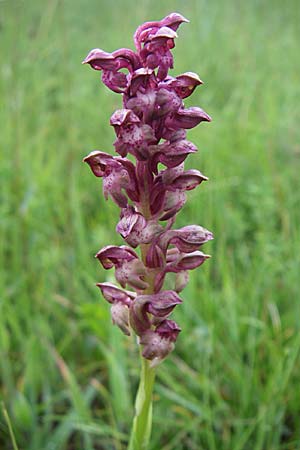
<point>114,294</point>
<point>112,255</point>
<point>100,60</point>
<point>187,118</point>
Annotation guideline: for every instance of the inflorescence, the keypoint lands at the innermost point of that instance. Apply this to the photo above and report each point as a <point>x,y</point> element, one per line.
<point>151,127</point>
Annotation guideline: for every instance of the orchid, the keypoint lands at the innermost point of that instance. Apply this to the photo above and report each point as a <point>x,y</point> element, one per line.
<point>150,129</point>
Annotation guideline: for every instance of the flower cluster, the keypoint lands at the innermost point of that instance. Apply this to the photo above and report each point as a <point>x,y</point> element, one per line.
<point>151,127</point>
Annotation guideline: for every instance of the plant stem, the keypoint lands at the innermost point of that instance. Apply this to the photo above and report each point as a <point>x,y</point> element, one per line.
<point>142,422</point>
<point>9,425</point>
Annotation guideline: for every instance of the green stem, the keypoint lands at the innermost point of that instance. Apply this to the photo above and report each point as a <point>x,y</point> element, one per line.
<point>142,422</point>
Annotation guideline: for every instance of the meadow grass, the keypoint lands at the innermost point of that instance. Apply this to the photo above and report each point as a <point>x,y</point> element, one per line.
<point>67,377</point>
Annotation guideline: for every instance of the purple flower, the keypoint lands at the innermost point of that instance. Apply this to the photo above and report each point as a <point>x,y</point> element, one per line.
<point>151,128</point>
<point>129,269</point>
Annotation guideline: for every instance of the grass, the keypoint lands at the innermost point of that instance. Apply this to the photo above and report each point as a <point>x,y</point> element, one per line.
<point>67,377</point>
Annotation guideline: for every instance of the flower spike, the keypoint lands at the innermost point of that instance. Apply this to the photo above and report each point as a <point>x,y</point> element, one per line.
<point>150,127</point>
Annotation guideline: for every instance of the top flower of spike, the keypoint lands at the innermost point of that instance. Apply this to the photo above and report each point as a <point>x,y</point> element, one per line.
<point>151,126</point>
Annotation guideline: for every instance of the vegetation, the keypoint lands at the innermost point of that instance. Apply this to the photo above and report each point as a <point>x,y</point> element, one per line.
<point>67,377</point>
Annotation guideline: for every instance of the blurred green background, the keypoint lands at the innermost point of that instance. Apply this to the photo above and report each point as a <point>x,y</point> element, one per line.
<point>67,377</point>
